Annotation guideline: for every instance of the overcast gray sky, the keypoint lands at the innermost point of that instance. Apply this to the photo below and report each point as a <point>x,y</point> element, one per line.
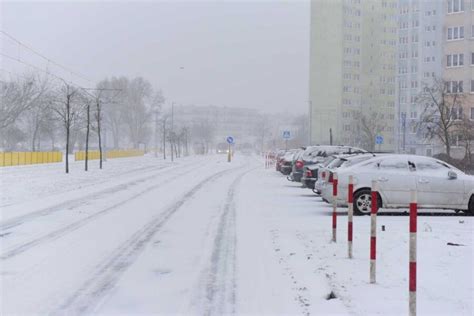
<point>239,53</point>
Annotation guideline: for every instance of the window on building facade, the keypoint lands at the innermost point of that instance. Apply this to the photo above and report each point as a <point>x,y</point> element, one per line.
<point>454,60</point>
<point>472,86</point>
<point>472,113</point>
<point>455,6</point>
<point>456,87</point>
<point>456,112</point>
<point>455,33</point>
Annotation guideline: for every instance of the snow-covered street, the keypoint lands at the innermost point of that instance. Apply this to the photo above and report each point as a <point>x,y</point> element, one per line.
<point>202,236</point>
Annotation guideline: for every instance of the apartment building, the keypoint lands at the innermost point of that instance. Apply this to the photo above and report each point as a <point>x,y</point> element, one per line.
<point>458,61</point>
<point>420,55</point>
<point>353,72</point>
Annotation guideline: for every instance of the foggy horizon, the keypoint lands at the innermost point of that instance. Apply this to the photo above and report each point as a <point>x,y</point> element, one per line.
<point>245,54</point>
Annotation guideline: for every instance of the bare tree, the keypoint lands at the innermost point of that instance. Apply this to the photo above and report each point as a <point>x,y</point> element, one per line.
<point>442,103</point>
<point>369,122</point>
<point>156,103</point>
<point>67,109</point>
<point>19,95</point>
<point>203,132</point>
<point>466,134</point>
<point>37,118</point>
<point>113,116</point>
<point>137,113</point>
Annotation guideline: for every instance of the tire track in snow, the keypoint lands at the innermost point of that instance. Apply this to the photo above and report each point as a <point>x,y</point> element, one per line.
<point>16,250</point>
<point>220,285</point>
<point>131,171</point>
<point>77,202</point>
<point>105,277</point>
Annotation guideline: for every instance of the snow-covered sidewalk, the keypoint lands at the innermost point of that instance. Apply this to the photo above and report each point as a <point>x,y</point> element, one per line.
<point>295,225</point>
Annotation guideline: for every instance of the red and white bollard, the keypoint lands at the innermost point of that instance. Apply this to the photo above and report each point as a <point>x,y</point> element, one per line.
<point>412,254</point>
<point>373,230</point>
<point>350,213</point>
<point>334,206</point>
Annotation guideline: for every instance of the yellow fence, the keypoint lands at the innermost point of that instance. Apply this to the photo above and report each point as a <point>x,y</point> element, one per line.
<point>29,158</point>
<point>94,154</point>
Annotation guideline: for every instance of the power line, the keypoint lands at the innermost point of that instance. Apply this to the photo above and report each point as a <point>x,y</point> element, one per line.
<point>37,68</point>
<point>44,57</point>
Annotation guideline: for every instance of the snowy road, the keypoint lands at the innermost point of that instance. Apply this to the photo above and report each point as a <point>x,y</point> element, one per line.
<point>205,237</point>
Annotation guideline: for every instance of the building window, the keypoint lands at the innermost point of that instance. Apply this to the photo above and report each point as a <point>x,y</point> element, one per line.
<point>472,85</point>
<point>472,113</point>
<point>455,60</point>
<point>455,6</point>
<point>454,86</point>
<point>456,113</point>
<point>454,33</point>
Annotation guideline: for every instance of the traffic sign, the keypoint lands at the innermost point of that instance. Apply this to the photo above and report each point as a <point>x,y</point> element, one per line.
<point>286,135</point>
<point>379,139</point>
<point>230,139</point>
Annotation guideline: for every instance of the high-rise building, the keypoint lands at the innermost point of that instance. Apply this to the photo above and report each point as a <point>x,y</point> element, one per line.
<point>353,72</point>
<point>420,54</point>
<point>458,59</point>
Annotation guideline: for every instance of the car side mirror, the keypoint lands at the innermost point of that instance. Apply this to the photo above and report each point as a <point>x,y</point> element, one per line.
<point>452,175</point>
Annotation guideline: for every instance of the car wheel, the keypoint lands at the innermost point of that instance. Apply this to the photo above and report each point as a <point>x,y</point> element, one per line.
<point>471,205</point>
<point>363,202</point>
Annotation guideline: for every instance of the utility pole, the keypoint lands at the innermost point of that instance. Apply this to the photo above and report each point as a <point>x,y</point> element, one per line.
<point>330,136</point>
<point>172,131</point>
<point>310,141</point>
<point>156,133</point>
<point>88,107</point>
<point>164,138</point>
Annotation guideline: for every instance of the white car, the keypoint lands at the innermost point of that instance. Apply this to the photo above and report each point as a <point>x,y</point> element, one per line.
<point>324,183</point>
<point>438,184</point>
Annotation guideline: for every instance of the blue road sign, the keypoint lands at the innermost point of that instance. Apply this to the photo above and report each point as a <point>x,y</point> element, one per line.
<point>379,139</point>
<point>286,135</point>
<point>230,139</point>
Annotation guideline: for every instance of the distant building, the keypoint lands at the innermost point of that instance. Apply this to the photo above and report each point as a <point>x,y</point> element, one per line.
<point>353,72</point>
<point>240,123</point>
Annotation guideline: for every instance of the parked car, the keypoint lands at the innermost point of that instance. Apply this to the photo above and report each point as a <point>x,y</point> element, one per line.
<point>278,159</point>
<point>438,184</point>
<point>310,173</point>
<point>287,161</point>
<point>316,154</point>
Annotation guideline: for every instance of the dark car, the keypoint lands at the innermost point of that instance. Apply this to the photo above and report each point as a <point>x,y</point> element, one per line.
<point>300,159</point>
<point>310,172</point>
<point>287,162</point>
<point>317,154</point>
<point>279,159</point>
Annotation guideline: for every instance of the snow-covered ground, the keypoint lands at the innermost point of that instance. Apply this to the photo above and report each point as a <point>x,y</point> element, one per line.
<point>201,236</point>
